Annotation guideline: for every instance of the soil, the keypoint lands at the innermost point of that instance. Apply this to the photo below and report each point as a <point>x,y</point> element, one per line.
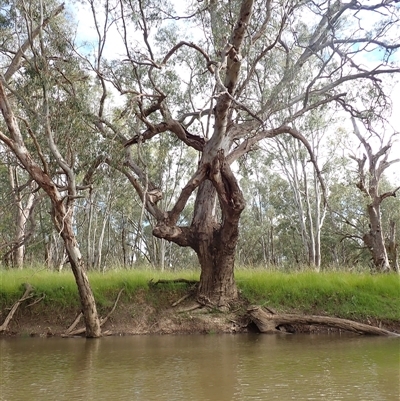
<point>139,316</point>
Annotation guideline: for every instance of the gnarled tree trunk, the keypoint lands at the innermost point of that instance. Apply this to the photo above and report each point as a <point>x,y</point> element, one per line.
<point>215,248</point>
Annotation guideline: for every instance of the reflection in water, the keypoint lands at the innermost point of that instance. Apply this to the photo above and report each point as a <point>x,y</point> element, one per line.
<point>201,368</point>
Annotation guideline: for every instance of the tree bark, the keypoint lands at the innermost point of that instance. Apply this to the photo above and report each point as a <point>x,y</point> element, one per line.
<point>374,238</point>
<point>63,222</point>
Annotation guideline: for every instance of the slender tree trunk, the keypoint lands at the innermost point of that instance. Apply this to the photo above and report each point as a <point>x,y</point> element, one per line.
<point>63,222</point>
<point>89,207</point>
<point>310,231</point>
<point>392,247</point>
<point>123,242</point>
<point>22,214</point>
<point>162,249</point>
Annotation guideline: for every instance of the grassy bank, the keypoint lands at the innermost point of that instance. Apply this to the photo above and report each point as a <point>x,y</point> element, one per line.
<point>348,295</point>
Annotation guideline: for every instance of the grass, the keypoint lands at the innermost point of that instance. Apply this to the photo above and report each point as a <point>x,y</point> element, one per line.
<point>60,289</point>
<point>342,294</point>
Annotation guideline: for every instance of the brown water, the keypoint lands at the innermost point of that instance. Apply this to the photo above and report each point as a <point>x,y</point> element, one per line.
<point>201,368</point>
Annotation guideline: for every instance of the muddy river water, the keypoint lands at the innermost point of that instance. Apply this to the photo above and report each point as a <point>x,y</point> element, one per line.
<point>201,368</point>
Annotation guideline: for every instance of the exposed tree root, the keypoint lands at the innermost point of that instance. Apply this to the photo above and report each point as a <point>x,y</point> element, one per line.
<point>189,308</point>
<point>268,322</point>
<point>25,296</point>
<point>69,332</point>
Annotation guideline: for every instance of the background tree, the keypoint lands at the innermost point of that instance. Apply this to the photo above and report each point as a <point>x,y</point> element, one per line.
<point>370,169</point>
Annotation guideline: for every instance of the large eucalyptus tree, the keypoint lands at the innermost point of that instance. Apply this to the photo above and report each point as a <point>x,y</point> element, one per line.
<point>226,76</point>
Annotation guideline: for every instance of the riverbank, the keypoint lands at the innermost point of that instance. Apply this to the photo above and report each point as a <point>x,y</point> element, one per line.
<point>148,306</point>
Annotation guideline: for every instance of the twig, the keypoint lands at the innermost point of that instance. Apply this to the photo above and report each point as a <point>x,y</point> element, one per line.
<point>37,300</point>
<point>181,299</point>
<point>113,308</point>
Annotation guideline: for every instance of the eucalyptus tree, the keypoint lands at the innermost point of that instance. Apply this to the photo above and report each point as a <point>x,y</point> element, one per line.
<point>24,199</point>
<point>370,170</point>
<point>309,198</point>
<point>250,70</point>
<point>41,90</point>
<point>259,240</point>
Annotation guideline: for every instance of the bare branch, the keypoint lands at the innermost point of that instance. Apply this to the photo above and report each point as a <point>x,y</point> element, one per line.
<point>193,46</point>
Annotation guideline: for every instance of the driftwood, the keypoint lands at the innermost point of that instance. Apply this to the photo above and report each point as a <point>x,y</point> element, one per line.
<point>69,332</point>
<point>268,322</point>
<point>25,296</point>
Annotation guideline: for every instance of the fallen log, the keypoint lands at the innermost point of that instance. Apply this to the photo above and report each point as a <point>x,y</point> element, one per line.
<point>269,323</point>
<point>25,296</point>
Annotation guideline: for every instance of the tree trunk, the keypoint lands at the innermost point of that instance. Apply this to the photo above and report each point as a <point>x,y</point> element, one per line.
<point>216,241</point>
<point>63,222</point>
<point>217,257</point>
<point>392,247</point>
<point>22,214</point>
<point>217,284</point>
<point>374,239</point>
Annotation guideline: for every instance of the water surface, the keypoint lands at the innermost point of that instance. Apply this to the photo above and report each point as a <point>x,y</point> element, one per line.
<point>201,368</point>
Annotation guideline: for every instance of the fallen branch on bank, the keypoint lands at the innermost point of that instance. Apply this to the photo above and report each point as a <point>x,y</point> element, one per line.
<point>25,296</point>
<point>74,324</point>
<point>269,323</point>
<point>181,299</point>
<point>69,332</point>
<point>175,281</point>
<point>112,309</point>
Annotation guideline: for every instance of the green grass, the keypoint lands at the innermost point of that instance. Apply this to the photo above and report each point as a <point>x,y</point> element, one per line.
<point>60,289</point>
<point>351,295</point>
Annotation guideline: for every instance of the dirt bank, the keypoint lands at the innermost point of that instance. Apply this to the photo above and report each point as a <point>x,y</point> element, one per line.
<point>139,316</point>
